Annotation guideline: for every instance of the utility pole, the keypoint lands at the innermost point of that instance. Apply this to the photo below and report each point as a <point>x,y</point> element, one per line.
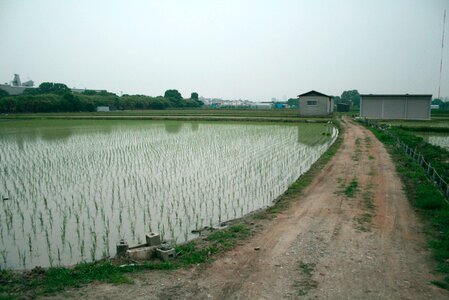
<point>442,49</point>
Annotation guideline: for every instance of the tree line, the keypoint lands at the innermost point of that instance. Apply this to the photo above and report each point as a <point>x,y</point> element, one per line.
<point>57,97</point>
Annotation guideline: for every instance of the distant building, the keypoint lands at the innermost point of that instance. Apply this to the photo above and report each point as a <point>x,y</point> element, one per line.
<point>390,106</point>
<point>102,108</point>
<point>29,83</point>
<point>280,105</point>
<point>17,87</point>
<point>314,103</point>
<point>434,106</point>
<point>79,91</point>
<point>16,80</point>
<point>262,105</point>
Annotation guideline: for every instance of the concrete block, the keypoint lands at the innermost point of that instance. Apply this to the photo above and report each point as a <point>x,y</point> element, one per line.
<point>142,253</point>
<point>166,254</point>
<point>122,248</point>
<point>153,239</point>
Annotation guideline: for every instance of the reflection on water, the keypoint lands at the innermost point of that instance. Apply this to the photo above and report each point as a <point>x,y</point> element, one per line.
<point>436,138</point>
<point>173,127</point>
<point>75,188</point>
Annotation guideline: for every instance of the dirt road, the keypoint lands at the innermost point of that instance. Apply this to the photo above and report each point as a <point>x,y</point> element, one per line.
<point>352,234</point>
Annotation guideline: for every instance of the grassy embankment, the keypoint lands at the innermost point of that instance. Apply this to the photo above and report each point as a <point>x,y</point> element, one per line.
<point>427,199</point>
<point>46,281</point>
<point>272,115</point>
<point>438,123</point>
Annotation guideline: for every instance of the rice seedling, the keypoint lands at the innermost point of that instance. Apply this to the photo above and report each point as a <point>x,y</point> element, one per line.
<point>122,179</point>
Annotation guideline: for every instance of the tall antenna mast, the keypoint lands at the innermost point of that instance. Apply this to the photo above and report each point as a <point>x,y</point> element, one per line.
<point>442,49</point>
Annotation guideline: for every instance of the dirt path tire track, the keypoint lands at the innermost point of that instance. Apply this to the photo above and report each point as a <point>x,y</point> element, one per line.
<point>329,244</point>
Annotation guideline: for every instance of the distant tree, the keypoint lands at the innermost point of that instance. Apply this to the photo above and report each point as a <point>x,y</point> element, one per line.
<point>53,88</point>
<point>105,93</point>
<point>293,102</point>
<point>158,103</point>
<point>174,97</point>
<point>337,99</point>
<point>3,93</point>
<point>351,96</point>
<point>194,96</point>
<point>192,103</point>
<point>8,104</point>
<point>437,102</point>
<point>89,92</point>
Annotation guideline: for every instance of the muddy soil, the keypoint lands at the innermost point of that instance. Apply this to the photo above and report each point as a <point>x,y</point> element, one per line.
<point>350,235</point>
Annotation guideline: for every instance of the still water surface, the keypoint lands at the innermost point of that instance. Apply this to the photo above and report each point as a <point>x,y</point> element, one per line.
<point>73,188</point>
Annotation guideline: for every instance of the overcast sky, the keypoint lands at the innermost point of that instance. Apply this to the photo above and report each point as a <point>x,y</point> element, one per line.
<point>230,49</point>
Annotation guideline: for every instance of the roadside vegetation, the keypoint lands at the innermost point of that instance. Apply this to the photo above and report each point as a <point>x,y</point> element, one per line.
<point>437,156</point>
<point>39,281</point>
<point>423,195</point>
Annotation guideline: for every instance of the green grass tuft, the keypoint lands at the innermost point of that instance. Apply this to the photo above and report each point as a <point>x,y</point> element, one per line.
<point>352,188</point>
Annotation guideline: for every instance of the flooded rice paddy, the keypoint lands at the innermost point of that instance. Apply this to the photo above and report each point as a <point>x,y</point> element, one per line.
<point>437,139</point>
<point>71,189</point>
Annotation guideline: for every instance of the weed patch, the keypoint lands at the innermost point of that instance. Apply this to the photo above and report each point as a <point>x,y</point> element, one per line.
<point>352,188</point>
<point>358,151</point>
<point>306,283</point>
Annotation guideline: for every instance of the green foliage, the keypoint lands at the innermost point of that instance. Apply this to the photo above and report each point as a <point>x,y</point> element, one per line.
<point>293,102</point>
<point>70,102</point>
<point>444,105</point>
<point>49,88</point>
<point>190,254</point>
<point>337,99</point>
<point>351,96</point>
<point>437,102</point>
<point>57,97</point>
<point>95,93</point>
<point>3,93</point>
<point>194,96</point>
<point>352,188</point>
<point>437,156</point>
<point>174,97</point>
<point>47,281</point>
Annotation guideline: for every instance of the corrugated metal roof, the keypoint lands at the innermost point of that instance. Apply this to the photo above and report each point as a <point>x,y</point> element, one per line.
<point>395,95</point>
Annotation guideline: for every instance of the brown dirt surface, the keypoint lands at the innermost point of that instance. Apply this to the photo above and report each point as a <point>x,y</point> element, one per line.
<point>350,235</point>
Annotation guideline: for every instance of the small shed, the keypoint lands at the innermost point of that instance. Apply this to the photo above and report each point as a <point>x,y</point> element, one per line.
<point>395,106</point>
<point>314,103</point>
<point>102,108</point>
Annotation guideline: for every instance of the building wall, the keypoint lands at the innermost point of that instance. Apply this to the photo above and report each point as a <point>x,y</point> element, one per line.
<point>394,108</point>
<point>407,107</point>
<point>323,106</point>
<point>418,108</point>
<point>102,108</point>
<point>13,90</point>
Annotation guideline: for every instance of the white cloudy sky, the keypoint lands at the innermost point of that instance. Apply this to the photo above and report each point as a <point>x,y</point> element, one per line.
<point>231,49</point>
